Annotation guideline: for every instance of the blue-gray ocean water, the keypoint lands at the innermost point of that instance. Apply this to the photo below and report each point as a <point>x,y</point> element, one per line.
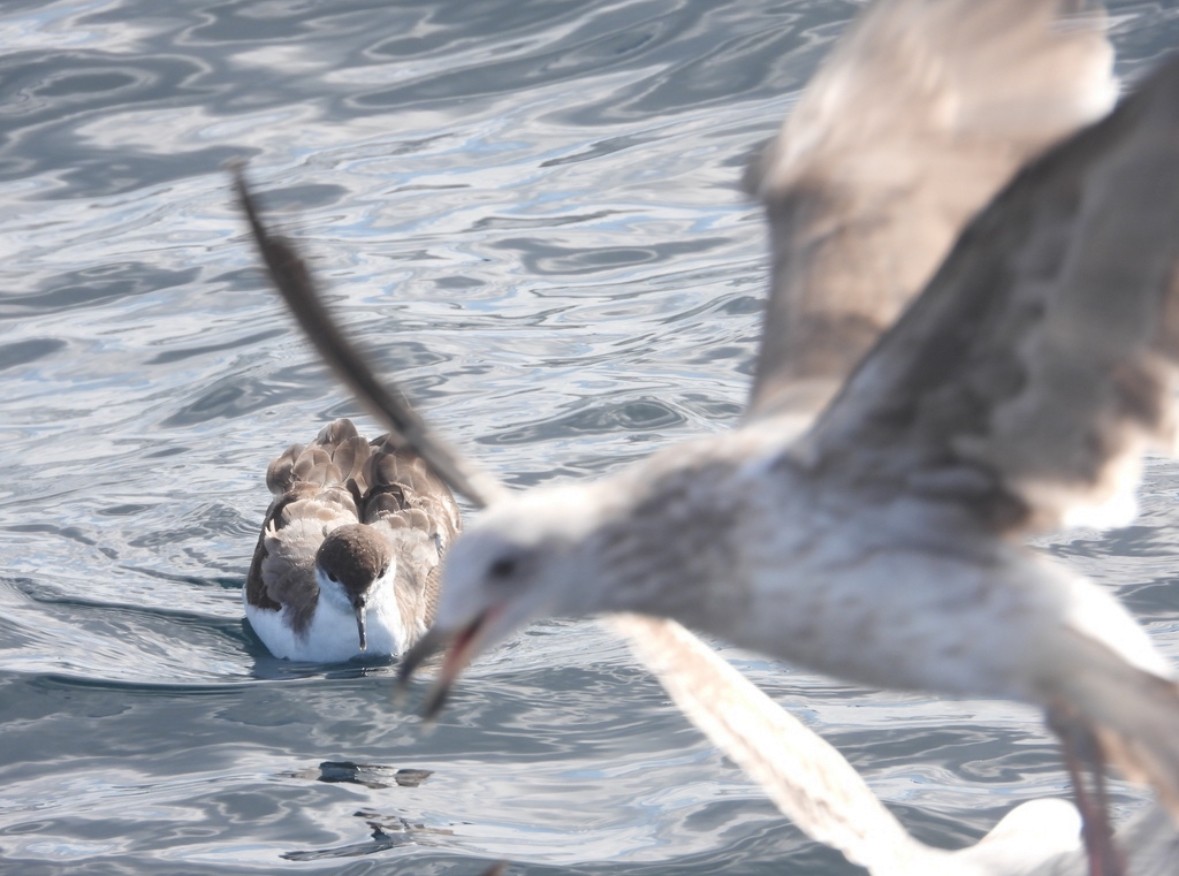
<point>527,209</point>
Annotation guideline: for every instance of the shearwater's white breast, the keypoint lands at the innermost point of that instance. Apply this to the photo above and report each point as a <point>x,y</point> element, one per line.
<point>332,637</point>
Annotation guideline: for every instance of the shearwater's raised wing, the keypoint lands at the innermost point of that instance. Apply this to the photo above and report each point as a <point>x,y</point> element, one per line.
<point>916,118</point>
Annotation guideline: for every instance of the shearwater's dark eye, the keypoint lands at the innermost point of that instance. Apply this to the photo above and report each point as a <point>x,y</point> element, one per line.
<point>504,567</point>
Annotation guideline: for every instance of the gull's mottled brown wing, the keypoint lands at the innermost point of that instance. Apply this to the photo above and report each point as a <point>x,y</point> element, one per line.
<point>915,120</point>
<point>1040,362</point>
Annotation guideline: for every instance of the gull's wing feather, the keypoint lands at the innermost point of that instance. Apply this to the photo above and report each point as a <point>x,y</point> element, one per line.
<point>812,783</point>
<point>292,279</point>
<point>815,786</point>
<point>919,115</point>
<point>1040,361</point>
<point>808,779</point>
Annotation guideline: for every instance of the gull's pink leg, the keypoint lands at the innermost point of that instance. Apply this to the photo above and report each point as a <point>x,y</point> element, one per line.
<point>1082,753</point>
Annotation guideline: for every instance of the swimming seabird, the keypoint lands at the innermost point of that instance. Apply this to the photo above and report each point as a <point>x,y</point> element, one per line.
<point>883,542</point>
<point>347,563</point>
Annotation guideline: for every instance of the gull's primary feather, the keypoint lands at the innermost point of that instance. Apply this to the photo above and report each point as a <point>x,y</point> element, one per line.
<point>913,122</point>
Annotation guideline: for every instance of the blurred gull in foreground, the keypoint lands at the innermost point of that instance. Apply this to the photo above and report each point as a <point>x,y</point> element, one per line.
<point>881,541</point>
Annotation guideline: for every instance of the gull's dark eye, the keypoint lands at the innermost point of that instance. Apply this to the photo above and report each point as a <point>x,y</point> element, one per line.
<point>503,568</point>
<point>381,572</point>
<point>333,578</point>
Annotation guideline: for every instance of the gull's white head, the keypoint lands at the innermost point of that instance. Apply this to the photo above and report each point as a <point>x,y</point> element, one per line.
<point>529,556</point>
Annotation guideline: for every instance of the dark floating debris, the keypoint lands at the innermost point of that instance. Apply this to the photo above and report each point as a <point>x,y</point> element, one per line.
<point>370,775</point>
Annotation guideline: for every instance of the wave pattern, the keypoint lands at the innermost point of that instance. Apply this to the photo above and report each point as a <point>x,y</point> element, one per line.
<point>528,212</point>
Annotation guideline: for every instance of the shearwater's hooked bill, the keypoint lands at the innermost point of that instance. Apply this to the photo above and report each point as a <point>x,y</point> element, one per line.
<point>882,542</point>
<point>348,560</point>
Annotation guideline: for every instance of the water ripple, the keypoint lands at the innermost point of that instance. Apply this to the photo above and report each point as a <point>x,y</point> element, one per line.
<point>527,211</point>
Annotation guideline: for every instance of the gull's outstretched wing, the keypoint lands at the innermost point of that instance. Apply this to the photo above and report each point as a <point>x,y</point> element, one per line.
<point>1040,361</point>
<point>808,779</point>
<point>293,281</point>
<point>815,786</point>
<point>817,789</point>
<point>919,115</point>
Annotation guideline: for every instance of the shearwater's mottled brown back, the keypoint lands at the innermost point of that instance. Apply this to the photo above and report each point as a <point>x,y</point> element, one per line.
<point>340,479</point>
<point>400,489</point>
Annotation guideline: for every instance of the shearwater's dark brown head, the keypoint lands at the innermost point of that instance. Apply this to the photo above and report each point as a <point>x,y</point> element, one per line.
<point>353,558</point>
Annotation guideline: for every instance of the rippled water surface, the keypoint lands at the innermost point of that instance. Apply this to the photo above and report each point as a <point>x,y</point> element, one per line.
<point>528,211</point>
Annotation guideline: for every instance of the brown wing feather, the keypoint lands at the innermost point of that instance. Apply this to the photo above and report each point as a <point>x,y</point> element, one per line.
<point>397,478</point>
<point>1041,359</point>
<point>256,593</point>
<point>315,480</point>
<point>914,121</point>
<point>300,500</point>
<point>405,495</point>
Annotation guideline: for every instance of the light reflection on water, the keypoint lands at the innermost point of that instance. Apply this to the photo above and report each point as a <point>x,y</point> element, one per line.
<point>529,212</point>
